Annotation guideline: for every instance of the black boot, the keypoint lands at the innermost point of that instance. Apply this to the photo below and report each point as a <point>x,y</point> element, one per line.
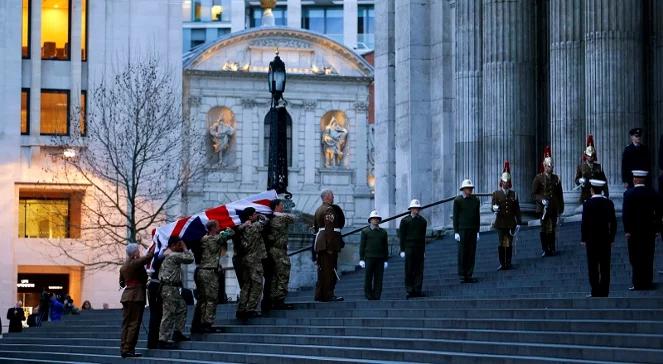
<point>501,254</point>
<point>507,256</point>
<point>552,251</point>
<point>178,336</point>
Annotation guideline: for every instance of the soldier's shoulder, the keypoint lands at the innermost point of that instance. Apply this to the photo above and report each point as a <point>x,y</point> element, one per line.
<point>458,198</point>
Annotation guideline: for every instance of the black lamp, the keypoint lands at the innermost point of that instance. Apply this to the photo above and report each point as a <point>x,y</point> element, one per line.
<point>276,77</point>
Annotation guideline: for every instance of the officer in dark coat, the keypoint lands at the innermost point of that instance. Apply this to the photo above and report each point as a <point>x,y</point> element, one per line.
<point>641,214</point>
<point>506,207</point>
<point>547,191</point>
<point>412,234</point>
<point>635,157</point>
<point>133,278</point>
<point>16,316</point>
<point>466,222</point>
<point>373,255</point>
<point>328,222</point>
<point>598,229</point>
<point>589,169</point>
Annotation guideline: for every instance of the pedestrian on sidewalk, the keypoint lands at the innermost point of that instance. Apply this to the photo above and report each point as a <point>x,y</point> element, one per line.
<point>373,255</point>
<point>506,207</point>
<point>466,223</point>
<point>133,278</point>
<point>412,234</point>
<point>598,229</point>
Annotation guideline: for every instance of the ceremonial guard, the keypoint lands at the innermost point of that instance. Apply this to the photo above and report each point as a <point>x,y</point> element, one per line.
<point>590,169</point>
<point>412,234</point>
<point>547,191</point>
<point>641,214</point>
<point>133,277</point>
<point>174,306</point>
<point>278,255</point>
<point>598,229</point>
<point>507,217</point>
<point>212,246</point>
<point>373,255</point>
<point>466,223</point>
<point>328,221</point>
<point>253,248</point>
<point>635,157</point>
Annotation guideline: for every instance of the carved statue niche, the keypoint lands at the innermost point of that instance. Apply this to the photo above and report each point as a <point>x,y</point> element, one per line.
<point>221,129</point>
<point>334,138</point>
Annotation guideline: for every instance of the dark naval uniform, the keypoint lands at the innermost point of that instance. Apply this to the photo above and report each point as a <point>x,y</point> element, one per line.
<point>635,158</point>
<point>598,229</point>
<point>589,171</point>
<point>374,251</point>
<point>134,278</point>
<point>412,234</point>
<point>548,187</point>
<point>641,213</point>
<point>328,221</point>
<point>506,220</point>
<point>466,222</point>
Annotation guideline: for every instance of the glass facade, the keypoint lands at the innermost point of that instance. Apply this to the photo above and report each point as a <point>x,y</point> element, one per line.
<point>324,20</point>
<point>196,10</point>
<point>25,111</point>
<point>84,31</point>
<point>280,16</point>
<point>55,26</point>
<point>43,218</point>
<point>366,26</point>
<point>220,10</point>
<point>25,33</point>
<point>54,112</point>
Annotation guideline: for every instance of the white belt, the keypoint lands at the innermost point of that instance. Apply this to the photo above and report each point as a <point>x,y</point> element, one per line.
<point>335,229</point>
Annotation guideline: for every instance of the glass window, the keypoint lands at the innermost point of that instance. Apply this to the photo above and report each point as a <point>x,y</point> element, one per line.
<point>25,34</point>
<point>366,26</point>
<point>83,113</point>
<point>55,25</point>
<point>196,10</point>
<point>197,37</point>
<point>220,10</point>
<point>325,20</point>
<point>54,112</point>
<point>25,111</point>
<point>222,32</point>
<point>43,218</point>
<point>84,32</point>
<point>280,16</point>
<point>288,139</point>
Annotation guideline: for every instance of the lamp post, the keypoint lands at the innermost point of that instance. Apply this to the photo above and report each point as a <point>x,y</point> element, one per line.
<point>278,119</point>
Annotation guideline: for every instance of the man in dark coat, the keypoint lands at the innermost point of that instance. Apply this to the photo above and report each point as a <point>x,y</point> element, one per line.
<point>466,223</point>
<point>635,157</point>
<point>133,278</point>
<point>373,255</point>
<point>16,316</point>
<point>506,207</point>
<point>641,214</point>
<point>412,234</point>
<point>598,229</point>
<point>328,221</point>
<point>155,302</point>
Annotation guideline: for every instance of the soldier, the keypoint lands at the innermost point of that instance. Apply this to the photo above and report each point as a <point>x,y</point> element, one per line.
<point>327,222</point>
<point>589,169</point>
<point>253,248</point>
<point>155,302</point>
<point>547,191</point>
<point>412,234</point>
<point>635,157</point>
<point>133,278</point>
<point>507,217</point>
<point>373,255</point>
<point>278,255</point>
<point>641,213</point>
<point>466,221</point>
<point>174,307</point>
<point>212,246</point>
<point>598,229</point>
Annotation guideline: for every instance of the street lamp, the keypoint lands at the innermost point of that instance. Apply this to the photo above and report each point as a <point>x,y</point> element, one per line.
<point>278,119</point>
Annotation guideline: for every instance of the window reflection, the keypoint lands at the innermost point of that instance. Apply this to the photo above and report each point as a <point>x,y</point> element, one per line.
<point>43,218</point>
<point>280,16</point>
<point>325,20</point>
<point>84,31</point>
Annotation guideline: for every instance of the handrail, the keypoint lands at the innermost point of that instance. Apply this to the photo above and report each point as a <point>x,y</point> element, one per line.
<point>445,200</point>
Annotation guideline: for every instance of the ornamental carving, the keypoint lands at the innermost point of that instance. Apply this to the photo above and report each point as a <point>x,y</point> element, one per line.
<point>221,129</point>
<point>334,138</point>
<point>280,43</point>
<point>361,106</point>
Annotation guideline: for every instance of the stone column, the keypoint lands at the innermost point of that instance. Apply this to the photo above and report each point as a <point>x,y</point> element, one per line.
<point>350,23</point>
<point>413,125</point>
<point>467,123</point>
<point>614,82</point>
<point>75,49</point>
<point>385,63</point>
<point>294,13</point>
<point>35,71</point>
<point>237,16</point>
<point>655,128</point>
<point>567,93</point>
<point>509,102</point>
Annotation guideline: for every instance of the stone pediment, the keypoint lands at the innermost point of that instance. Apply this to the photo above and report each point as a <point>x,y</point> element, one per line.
<point>304,53</point>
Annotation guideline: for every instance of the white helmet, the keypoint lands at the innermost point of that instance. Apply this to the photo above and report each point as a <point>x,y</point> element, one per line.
<point>467,183</point>
<point>374,214</point>
<point>414,204</point>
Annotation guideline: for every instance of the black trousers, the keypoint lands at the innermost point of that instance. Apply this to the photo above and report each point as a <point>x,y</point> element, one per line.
<point>268,271</point>
<point>467,248</point>
<point>641,250</point>
<point>132,317</point>
<point>373,278</point>
<point>414,269</point>
<point>324,289</point>
<point>156,311</point>
<point>598,266</point>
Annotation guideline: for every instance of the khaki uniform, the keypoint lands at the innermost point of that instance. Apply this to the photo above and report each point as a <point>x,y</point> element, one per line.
<point>589,171</point>
<point>174,307</point>
<point>328,222</point>
<point>278,254</point>
<point>134,277</point>
<point>253,248</point>
<point>548,187</point>
<point>207,276</point>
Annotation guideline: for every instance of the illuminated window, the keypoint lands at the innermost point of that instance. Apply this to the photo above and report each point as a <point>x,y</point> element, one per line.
<point>84,31</point>
<point>25,111</point>
<point>25,38</point>
<point>55,25</point>
<point>280,16</point>
<point>43,218</point>
<point>54,112</point>
<point>196,10</point>
<point>83,113</point>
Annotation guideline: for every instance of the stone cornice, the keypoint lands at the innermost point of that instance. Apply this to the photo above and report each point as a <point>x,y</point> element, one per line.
<point>239,74</point>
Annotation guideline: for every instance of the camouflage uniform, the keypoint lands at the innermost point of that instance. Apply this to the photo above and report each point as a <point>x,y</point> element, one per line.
<point>174,307</point>
<point>278,253</point>
<point>253,247</point>
<point>207,275</point>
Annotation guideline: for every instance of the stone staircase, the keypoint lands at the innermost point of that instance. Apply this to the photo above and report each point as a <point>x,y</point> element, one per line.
<point>536,313</point>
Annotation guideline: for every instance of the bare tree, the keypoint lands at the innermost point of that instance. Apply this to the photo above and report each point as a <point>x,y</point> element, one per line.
<point>134,157</point>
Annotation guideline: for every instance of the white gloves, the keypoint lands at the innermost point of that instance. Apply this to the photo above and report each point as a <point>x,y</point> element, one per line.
<point>362,264</point>
<point>457,236</point>
<point>582,181</point>
<point>496,208</point>
<point>402,254</point>
<point>478,237</point>
<point>544,202</point>
<point>386,265</point>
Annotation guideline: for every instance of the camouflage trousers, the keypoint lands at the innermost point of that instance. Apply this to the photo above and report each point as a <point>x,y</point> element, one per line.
<point>249,296</point>
<point>281,262</point>
<point>207,282</point>
<point>174,312</point>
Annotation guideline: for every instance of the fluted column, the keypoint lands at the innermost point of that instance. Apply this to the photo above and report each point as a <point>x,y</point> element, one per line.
<point>509,98</point>
<point>613,77</point>
<point>656,83</point>
<point>567,88</point>
<point>467,123</point>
